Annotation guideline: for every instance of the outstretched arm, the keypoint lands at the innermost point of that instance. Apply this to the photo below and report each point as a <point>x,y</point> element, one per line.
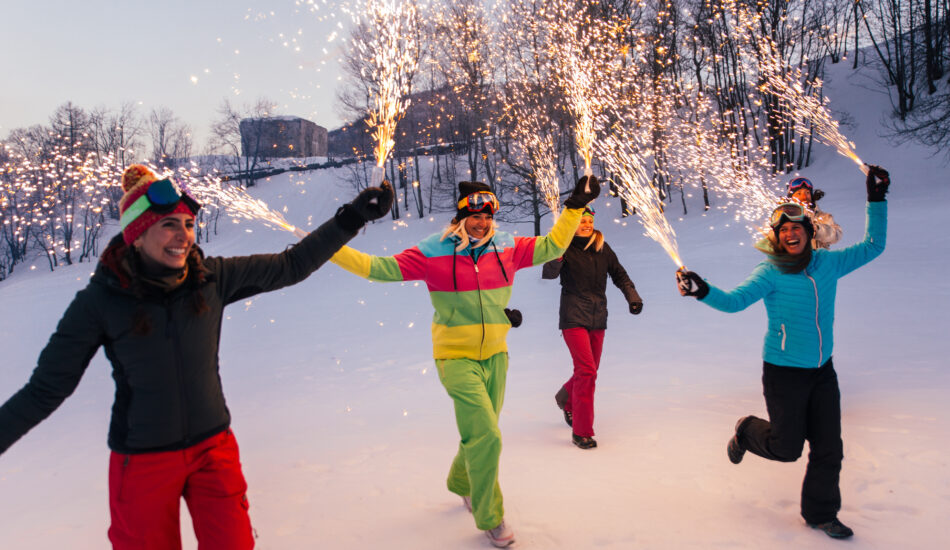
<point>408,265</point>
<point>754,288</point>
<point>241,277</point>
<point>59,369</point>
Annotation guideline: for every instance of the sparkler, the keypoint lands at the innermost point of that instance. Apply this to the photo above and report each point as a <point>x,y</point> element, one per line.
<point>619,152</point>
<point>389,53</point>
<point>234,200</point>
<point>581,46</point>
<point>799,101</point>
<point>530,103</point>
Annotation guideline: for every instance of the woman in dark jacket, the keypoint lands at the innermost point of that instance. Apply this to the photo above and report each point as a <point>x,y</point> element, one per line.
<point>155,304</point>
<point>583,270</point>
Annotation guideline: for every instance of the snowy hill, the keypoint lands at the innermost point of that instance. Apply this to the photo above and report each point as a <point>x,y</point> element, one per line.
<point>347,434</point>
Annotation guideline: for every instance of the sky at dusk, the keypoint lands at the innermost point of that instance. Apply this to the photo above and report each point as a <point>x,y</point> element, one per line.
<point>184,55</point>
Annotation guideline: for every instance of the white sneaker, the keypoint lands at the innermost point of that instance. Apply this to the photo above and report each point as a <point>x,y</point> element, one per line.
<point>501,536</point>
<point>467,501</point>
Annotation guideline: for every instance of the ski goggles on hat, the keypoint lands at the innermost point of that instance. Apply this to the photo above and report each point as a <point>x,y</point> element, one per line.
<point>788,211</point>
<point>479,201</point>
<point>162,197</point>
<point>588,211</point>
<point>800,183</point>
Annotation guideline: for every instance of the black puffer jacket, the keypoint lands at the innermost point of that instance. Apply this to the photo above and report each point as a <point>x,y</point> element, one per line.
<point>583,276</point>
<point>168,389</point>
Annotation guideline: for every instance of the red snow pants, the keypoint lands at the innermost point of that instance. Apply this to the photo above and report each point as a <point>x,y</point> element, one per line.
<point>145,492</point>
<point>585,347</point>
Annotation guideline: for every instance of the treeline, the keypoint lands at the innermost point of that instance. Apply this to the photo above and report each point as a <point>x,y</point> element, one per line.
<point>473,64</point>
<point>58,182</point>
<point>470,55</point>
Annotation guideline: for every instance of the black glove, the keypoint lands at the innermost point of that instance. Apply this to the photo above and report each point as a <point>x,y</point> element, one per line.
<point>877,182</point>
<point>514,317</point>
<point>636,307</point>
<point>691,284</point>
<point>371,204</point>
<point>581,196</point>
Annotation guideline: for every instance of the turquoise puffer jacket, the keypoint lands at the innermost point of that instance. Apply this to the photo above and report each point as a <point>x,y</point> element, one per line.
<point>801,306</point>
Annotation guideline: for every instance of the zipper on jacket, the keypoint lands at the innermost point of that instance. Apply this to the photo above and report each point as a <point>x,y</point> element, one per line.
<point>783,336</point>
<point>179,367</point>
<point>817,325</point>
<point>481,307</point>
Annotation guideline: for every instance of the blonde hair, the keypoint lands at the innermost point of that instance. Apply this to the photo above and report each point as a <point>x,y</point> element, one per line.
<point>457,228</point>
<point>596,239</point>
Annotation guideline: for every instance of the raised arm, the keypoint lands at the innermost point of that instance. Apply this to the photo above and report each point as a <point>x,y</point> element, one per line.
<point>538,250</point>
<point>875,232</point>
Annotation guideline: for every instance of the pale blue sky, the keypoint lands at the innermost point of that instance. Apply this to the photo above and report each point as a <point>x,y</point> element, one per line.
<point>100,52</point>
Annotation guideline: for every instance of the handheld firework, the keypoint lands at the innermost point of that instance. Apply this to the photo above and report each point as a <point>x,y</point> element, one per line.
<point>686,285</point>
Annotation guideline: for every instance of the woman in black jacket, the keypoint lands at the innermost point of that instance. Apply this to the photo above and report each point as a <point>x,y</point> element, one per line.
<point>583,319</point>
<point>155,304</point>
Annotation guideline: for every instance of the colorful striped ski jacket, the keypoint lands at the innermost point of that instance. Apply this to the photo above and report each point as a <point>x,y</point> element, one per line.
<point>470,288</point>
<point>801,306</point>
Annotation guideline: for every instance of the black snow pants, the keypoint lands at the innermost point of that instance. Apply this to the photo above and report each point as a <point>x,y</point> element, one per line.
<point>803,404</point>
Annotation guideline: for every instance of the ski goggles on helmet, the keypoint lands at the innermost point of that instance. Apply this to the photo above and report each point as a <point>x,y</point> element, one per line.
<point>479,201</point>
<point>162,197</point>
<point>788,211</point>
<point>800,183</point>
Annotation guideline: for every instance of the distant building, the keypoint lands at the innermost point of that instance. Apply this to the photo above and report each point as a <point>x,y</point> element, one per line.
<point>282,137</point>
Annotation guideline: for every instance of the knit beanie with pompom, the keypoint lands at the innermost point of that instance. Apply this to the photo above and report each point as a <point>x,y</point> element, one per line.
<point>135,182</point>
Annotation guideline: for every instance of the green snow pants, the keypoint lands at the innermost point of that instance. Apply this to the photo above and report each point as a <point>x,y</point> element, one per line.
<point>478,390</point>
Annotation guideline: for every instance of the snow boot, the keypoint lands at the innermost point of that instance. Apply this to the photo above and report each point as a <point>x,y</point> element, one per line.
<point>561,398</point>
<point>584,442</point>
<point>500,536</point>
<point>834,529</point>
<point>733,448</point>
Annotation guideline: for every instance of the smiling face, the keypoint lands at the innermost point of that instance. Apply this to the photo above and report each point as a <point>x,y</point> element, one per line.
<point>168,241</point>
<point>793,237</point>
<point>586,228</point>
<point>802,195</point>
<point>478,225</point>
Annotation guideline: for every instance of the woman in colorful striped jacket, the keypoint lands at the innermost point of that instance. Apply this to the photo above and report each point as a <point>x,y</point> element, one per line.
<point>469,270</point>
<point>798,286</point>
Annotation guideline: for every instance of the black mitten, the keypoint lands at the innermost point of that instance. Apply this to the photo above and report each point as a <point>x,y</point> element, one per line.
<point>514,317</point>
<point>636,307</point>
<point>371,204</point>
<point>581,195</point>
<point>877,181</point>
<point>691,284</point>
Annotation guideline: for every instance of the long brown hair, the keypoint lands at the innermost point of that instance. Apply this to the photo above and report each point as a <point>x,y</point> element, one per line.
<point>125,262</point>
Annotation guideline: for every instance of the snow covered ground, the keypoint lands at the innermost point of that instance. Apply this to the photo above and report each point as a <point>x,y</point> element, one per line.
<point>347,434</point>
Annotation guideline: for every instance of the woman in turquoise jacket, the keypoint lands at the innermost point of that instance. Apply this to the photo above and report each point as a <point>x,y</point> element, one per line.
<point>798,285</point>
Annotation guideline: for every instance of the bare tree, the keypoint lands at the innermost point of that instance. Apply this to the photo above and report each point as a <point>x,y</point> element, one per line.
<point>171,138</point>
<point>239,132</point>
